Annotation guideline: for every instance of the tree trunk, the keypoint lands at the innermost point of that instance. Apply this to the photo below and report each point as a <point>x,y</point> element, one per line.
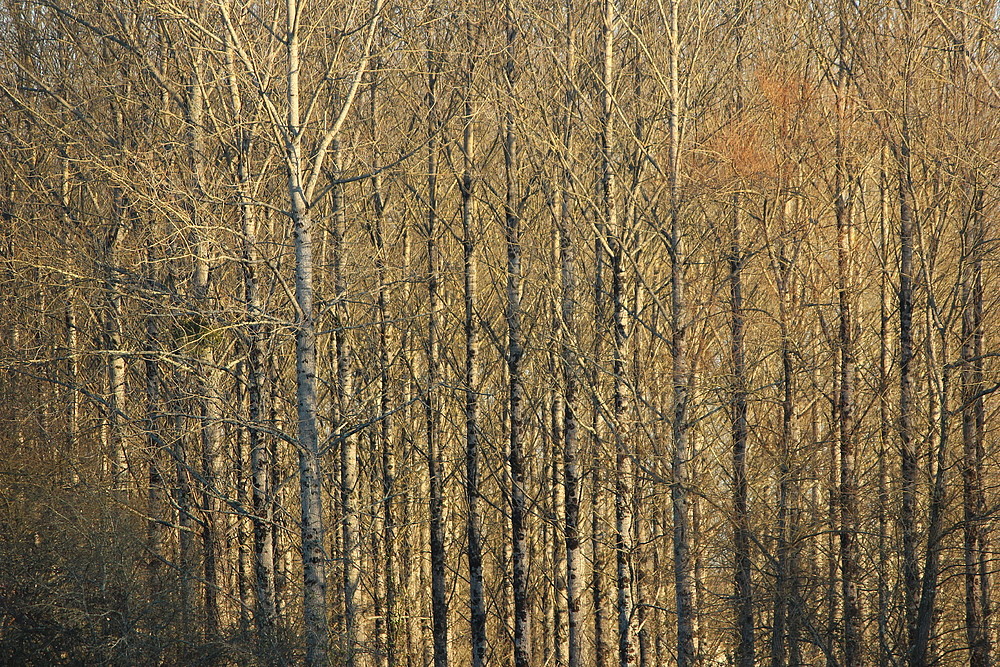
<point>850,570</point>
<point>439,603</point>
<point>974,506</point>
<point>743,583</point>
<point>261,455</point>
<point>117,404</point>
<point>514,354</point>
<point>262,505</point>
<point>316,624</point>
<point>742,565</point>
<point>156,502</point>
<point>351,526</point>
<point>885,427</point>
<point>926,609</point>
<point>477,605</point>
<point>388,462</point>
<point>570,367</point>
<point>908,453</point>
<point>210,428</point>
<point>783,265</point>
<point>624,483</point>
<point>683,560</point>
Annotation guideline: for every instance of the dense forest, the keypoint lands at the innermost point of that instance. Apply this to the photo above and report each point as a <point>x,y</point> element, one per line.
<point>375,333</point>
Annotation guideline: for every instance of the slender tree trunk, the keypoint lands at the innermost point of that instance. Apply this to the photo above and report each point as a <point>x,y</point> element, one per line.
<point>907,447</point>
<point>568,336</point>
<point>907,517</point>
<point>439,603</point>
<point>388,462</point>
<point>185,517</point>
<point>624,483</point>
<point>413,533</point>
<point>683,557</point>
<point>211,438</point>
<point>974,506</point>
<point>261,455</point>
<point>70,321</point>
<point>210,430</point>
<point>260,452</point>
<point>598,418</point>
<point>833,599</point>
<point>156,503</point>
<point>850,569</point>
<point>117,405</point>
<point>926,608</point>
<point>514,353</point>
<point>780,636</point>
<point>282,552</point>
<point>597,537</point>
<point>884,655</point>
<point>557,493</point>
<point>699,562</point>
<point>742,565</point>
<point>239,523</point>
<point>316,623</point>
<point>72,375</point>
<point>351,526</point>
<point>743,583</point>
<point>261,459</point>
<point>477,605</point>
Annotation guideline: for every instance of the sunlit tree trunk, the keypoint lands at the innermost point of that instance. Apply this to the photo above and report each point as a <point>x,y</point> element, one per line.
<point>742,575</point>
<point>390,608</point>
<point>921,651</point>
<point>351,525</point>
<point>515,351</point>
<point>680,372</point>
<point>907,447</point>
<point>974,506</point>
<point>470,276</point>
<point>570,366</point>
<point>156,502</point>
<point>624,482</point>
<point>885,422</point>
<point>783,267</point>
<point>849,567</point>
<point>435,456</point>
<point>113,343</point>
<point>262,502</point>
<point>202,328</point>
<point>741,512</point>
<point>316,624</point>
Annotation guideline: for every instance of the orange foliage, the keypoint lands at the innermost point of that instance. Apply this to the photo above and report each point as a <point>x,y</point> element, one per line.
<point>761,144</point>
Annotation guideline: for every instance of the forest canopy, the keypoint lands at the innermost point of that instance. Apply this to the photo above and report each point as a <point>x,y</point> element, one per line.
<point>565,333</point>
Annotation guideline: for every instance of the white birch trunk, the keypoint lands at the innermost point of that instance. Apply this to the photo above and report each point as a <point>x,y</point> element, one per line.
<point>680,475</point>
<point>477,606</point>
<point>316,623</point>
<point>514,353</point>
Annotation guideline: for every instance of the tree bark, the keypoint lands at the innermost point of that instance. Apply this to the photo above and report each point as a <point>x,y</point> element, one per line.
<point>439,603</point>
<point>908,454</point>
<point>680,475</point>
<point>570,365</point>
<point>514,354</point>
<point>743,583</point>
<point>975,549</point>
<point>624,483</point>
<point>477,606</point>
<point>351,526</point>
<point>316,624</point>
<point>850,569</point>
<point>388,453</point>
